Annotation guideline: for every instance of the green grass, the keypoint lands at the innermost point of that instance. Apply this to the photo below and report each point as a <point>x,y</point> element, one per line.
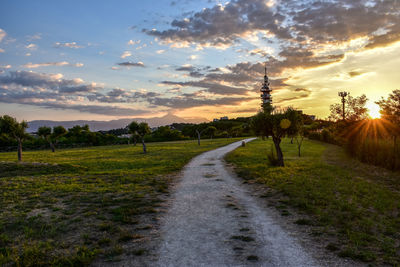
<point>76,205</point>
<point>355,203</point>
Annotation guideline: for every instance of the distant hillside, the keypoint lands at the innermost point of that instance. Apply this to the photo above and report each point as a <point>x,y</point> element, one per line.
<point>113,124</point>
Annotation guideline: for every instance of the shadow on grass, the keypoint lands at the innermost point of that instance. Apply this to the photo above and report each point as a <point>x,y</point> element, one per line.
<point>12,169</point>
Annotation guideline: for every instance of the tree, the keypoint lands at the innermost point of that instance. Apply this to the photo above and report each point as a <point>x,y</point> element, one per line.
<point>390,107</point>
<point>141,130</point>
<point>355,109</point>
<point>299,139</point>
<point>14,129</point>
<point>58,132</point>
<point>390,110</point>
<point>45,133</point>
<point>277,125</point>
<point>211,130</point>
<point>200,130</point>
<point>236,130</point>
<point>132,129</point>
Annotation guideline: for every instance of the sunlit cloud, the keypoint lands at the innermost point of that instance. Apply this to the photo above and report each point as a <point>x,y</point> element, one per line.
<point>131,42</point>
<point>31,46</point>
<point>47,64</point>
<point>68,45</point>
<point>126,54</point>
<point>2,34</point>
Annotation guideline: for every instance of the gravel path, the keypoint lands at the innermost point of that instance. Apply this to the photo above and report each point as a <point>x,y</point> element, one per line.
<point>213,221</point>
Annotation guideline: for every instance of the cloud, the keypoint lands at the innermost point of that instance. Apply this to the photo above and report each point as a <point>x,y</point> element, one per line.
<point>47,64</point>
<point>222,25</point>
<point>2,34</point>
<point>161,51</point>
<point>52,82</point>
<point>354,73</point>
<point>307,24</point>
<point>98,109</point>
<point>193,72</point>
<point>2,50</point>
<point>280,101</point>
<point>68,45</point>
<point>187,102</point>
<point>126,54</point>
<point>31,46</point>
<point>343,20</point>
<point>6,66</point>
<point>120,95</point>
<point>131,42</point>
<point>131,64</point>
<point>37,36</point>
<point>52,91</point>
<point>301,90</point>
<point>211,87</point>
<point>186,67</point>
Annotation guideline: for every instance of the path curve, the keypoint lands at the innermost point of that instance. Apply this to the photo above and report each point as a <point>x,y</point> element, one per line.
<point>213,221</point>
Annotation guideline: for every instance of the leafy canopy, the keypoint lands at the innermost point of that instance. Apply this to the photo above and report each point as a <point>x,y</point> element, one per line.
<point>278,124</point>
<point>355,109</point>
<point>10,126</point>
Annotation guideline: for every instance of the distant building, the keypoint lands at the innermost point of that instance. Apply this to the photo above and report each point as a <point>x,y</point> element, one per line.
<point>125,136</point>
<point>215,120</point>
<point>224,118</point>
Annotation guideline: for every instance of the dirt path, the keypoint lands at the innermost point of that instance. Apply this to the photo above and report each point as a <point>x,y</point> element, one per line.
<point>213,221</point>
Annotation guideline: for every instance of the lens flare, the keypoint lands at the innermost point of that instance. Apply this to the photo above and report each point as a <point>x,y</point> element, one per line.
<point>373,110</point>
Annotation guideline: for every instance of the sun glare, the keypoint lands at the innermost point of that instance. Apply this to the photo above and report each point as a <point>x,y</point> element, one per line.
<point>373,110</point>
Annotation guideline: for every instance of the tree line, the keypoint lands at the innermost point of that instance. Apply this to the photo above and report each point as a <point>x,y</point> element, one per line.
<point>13,134</point>
<point>373,141</point>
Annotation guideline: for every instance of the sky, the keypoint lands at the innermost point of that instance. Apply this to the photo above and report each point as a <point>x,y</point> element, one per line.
<point>104,60</point>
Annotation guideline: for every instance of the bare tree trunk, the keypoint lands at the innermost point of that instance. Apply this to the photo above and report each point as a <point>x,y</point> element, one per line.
<point>19,149</point>
<point>144,146</point>
<point>279,154</point>
<point>134,141</point>
<point>299,143</point>
<point>53,149</point>
<point>291,140</point>
<point>198,137</point>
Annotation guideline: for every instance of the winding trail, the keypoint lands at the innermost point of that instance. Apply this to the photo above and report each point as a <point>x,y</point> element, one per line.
<point>213,221</point>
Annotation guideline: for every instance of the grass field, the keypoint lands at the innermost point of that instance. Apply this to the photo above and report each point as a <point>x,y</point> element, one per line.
<point>76,205</point>
<point>353,205</point>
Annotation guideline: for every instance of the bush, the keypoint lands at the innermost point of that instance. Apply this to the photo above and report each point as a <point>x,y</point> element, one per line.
<point>380,152</point>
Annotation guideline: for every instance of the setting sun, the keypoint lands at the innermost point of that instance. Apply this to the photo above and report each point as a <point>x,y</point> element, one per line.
<point>373,110</point>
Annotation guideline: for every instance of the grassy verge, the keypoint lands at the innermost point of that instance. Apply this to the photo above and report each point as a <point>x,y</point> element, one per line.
<point>76,205</point>
<point>354,204</point>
